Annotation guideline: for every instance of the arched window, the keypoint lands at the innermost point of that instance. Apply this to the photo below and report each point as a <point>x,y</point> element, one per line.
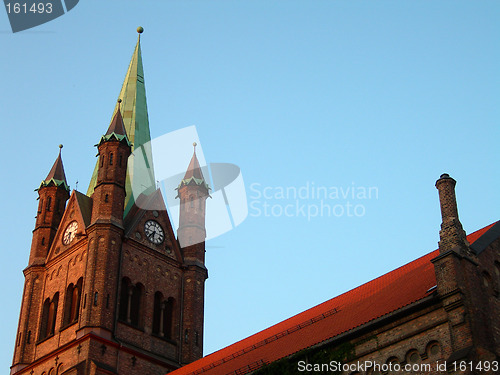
<point>168,318</point>
<point>163,312</point>
<point>72,302</point>
<point>130,302</point>
<point>49,315</point>
<point>110,158</point>
<point>124,300</point>
<point>68,299</point>
<point>191,201</point>
<point>135,311</point>
<point>45,315</point>
<point>157,315</point>
<point>102,160</point>
<point>75,304</point>
<point>51,321</point>
<point>49,202</point>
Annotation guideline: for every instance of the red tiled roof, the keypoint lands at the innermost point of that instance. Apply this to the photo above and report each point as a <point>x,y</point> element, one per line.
<point>381,296</point>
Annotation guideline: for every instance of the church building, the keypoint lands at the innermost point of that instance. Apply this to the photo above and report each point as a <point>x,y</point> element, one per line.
<point>439,314</point>
<point>110,289</point>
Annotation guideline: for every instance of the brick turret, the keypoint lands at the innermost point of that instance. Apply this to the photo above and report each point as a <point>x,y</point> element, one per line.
<point>52,195</point>
<point>105,233</point>
<point>193,192</point>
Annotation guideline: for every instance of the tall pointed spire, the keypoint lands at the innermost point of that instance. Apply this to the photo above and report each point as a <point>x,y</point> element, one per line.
<point>134,112</point>
<point>56,174</point>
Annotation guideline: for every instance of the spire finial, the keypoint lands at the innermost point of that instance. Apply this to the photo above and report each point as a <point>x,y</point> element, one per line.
<point>195,144</point>
<point>140,29</point>
<point>119,103</point>
<point>60,148</point>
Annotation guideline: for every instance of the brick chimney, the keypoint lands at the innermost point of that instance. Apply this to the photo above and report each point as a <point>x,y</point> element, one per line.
<point>452,236</point>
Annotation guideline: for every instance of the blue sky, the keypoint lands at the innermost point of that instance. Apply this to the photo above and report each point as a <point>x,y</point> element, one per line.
<point>339,94</point>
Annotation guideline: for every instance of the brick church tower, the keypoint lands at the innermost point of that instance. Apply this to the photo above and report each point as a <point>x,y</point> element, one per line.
<point>109,289</point>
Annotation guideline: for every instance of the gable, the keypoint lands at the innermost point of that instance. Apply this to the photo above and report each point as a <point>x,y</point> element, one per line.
<point>152,210</point>
<point>78,210</point>
<point>399,288</point>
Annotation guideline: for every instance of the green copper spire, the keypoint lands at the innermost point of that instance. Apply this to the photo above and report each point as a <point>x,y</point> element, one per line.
<point>134,110</point>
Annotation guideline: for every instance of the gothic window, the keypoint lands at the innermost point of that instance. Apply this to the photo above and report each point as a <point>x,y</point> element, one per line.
<point>130,302</point>
<point>488,282</point>
<point>123,312</point>
<point>136,299</point>
<point>111,158</point>
<point>163,310</point>
<point>72,302</point>
<point>157,318</point>
<point>49,201</point>
<point>102,160</point>
<point>486,279</point>
<point>168,318</point>
<point>191,201</point>
<point>49,315</point>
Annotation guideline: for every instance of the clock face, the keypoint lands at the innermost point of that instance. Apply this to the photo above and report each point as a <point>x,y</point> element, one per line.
<point>154,232</point>
<point>70,233</point>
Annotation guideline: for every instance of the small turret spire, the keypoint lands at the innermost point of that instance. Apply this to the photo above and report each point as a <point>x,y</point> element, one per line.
<point>56,174</point>
<point>116,125</point>
<point>194,169</point>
